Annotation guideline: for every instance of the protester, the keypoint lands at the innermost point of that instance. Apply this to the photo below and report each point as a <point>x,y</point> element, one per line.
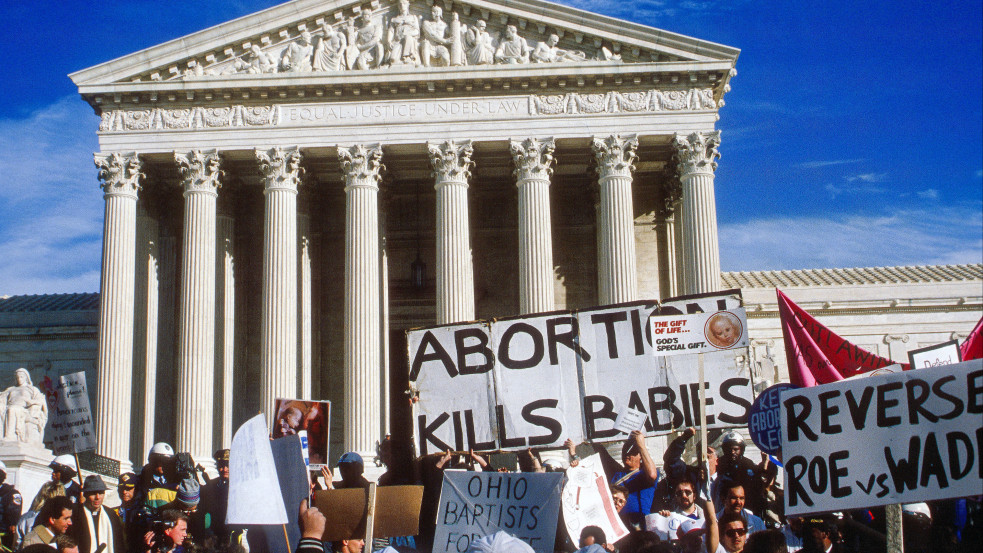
<point>54,519</point>
<point>766,541</point>
<point>733,499</point>
<point>637,542</point>
<point>820,535</point>
<point>690,534</point>
<point>66,544</point>
<point>312,524</point>
<point>174,535</point>
<point>685,500</point>
<point>591,535</point>
<point>734,466</point>
<point>731,533</point>
<point>11,504</point>
<point>351,467</point>
<point>27,520</point>
<point>638,476</point>
<point>93,524</point>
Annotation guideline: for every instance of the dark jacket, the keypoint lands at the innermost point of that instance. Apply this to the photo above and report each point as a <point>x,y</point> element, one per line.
<point>80,530</point>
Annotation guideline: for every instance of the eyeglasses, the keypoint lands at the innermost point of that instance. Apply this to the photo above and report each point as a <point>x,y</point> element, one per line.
<point>684,492</point>
<point>620,501</point>
<point>735,532</point>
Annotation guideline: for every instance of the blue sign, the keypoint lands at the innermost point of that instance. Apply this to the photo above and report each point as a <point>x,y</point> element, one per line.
<point>764,422</point>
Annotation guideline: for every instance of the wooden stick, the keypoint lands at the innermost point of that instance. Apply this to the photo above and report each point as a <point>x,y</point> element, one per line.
<point>370,515</point>
<point>703,414</point>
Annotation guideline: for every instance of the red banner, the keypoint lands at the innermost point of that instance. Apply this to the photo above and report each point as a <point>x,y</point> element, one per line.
<point>815,354</point>
<point>972,348</point>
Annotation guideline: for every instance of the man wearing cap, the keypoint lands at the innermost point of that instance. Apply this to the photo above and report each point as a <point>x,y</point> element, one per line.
<point>215,499</point>
<point>186,501</point>
<point>93,524</point>
<point>54,519</point>
<point>351,468</point>
<point>638,476</point>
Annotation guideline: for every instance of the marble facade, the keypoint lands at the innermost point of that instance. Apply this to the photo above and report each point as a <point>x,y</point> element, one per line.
<point>271,183</point>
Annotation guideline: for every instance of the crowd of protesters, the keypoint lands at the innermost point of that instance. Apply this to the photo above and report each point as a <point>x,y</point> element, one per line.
<point>725,504</point>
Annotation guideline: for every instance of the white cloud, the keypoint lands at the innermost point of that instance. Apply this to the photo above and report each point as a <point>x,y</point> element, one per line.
<point>929,194</point>
<point>827,163</point>
<point>867,177</point>
<point>949,235</point>
<point>50,203</point>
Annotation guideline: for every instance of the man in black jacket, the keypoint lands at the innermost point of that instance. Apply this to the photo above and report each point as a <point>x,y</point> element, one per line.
<point>93,524</point>
<point>11,504</point>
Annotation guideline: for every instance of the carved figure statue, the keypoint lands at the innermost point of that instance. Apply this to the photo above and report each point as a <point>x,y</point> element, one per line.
<point>365,50</point>
<point>259,61</point>
<point>403,37</point>
<point>433,48</point>
<point>513,48</point>
<point>478,45</point>
<point>297,56</point>
<point>23,411</point>
<point>548,52</point>
<point>329,54</point>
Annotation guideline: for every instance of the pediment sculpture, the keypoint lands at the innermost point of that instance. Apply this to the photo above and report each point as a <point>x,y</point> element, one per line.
<point>373,40</point>
<point>23,411</point>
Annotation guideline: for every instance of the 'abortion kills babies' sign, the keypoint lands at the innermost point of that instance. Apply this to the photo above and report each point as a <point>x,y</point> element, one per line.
<point>898,438</point>
<point>478,504</point>
<point>536,381</point>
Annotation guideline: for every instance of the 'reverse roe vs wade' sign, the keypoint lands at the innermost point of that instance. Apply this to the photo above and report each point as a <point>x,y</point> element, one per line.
<point>897,438</point>
<point>536,381</point>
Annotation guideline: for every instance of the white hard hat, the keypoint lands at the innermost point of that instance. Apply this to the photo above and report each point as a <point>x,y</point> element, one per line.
<point>161,448</point>
<point>917,509</point>
<point>733,437</point>
<point>65,461</point>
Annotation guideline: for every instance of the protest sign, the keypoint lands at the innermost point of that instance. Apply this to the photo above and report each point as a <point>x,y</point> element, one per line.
<point>397,512</point>
<point>586,501</point>
<point>254,487</point>
<point>665,527</point>
<point>71,418</point>
<point>945,353</point>
<point>292,416</point>
<point>537,381</point>
<point>477,504</point>
<point>699,333</point>
<point>294,487</point>
<point>920,431</point>
<point>764,423</point>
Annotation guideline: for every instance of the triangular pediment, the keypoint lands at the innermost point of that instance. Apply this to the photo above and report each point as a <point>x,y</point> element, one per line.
<point>328,39</point>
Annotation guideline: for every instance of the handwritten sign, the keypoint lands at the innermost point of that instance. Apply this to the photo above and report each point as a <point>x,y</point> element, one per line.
<point>71,419</point>
<point>946,353</point>
<point>586,501</point>
<point>896,438</point>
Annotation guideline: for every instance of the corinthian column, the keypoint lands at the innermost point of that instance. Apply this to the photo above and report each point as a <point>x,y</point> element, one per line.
<point>695,156</point>
<point>278,355</point>
<point>533,160</point>
<point>616,252</point>
<point>362,168</point>
<point>455,274</point>
<point>196,326</point>
<point>120,175</point>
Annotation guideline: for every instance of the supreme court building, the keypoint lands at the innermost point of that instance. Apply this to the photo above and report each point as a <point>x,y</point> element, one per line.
<point>287,193</point>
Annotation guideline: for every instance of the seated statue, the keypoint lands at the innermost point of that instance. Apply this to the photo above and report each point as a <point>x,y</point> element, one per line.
<point>329,54</point>
<point>297,56</point>
<point>433,48</point>
<point>478,45</point>
<point>403,37</point>
<point>23,411</point>
<point>513,48</point>
<point>365,50</point>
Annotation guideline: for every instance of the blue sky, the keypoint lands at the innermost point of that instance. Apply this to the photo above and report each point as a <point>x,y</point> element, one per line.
<point>853,135</point>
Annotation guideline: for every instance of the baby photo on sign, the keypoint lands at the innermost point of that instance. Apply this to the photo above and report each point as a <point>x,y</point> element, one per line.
<point>723,329</point>
<point>294,415</point>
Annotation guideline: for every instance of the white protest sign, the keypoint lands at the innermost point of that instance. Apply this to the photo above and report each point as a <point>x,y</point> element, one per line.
<point>667,528</point>
<point>586,501</point>
<point>254,489</point>
<point>946,353</point>
<point>630,420</point>
<point>896,438</point>
<point>477,504</point>
<point>699,333</point>
<point>71,419</point>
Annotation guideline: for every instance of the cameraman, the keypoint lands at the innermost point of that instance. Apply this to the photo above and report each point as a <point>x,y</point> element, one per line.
<point>168,534</point>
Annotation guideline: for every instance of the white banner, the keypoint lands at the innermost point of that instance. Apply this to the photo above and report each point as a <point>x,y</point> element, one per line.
<point>896,438</point>
<point>538,381</point>
<point>254,489</point>
<point>71,419</point>
<point>699,333</point>
<point>478,504</point>
<point>586,501</point>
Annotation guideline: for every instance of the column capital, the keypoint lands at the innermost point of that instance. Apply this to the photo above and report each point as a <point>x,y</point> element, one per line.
<point>281,168</point>
<point>199,171</point>
<point>120,173</point>
<point>697,152</point>
<point>615,155</point>
<point>533,158</point>
<point>362,165</point>
<point>451,161</point>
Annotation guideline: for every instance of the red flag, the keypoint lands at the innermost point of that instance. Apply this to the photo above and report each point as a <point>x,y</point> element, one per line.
<point>972,348</point>
<point>815,354</point>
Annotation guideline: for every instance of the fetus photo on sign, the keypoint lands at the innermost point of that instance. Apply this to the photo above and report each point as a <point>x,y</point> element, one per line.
<point>724,329</point>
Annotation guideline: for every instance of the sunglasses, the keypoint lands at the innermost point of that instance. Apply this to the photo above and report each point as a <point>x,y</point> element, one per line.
<point>735,532</point>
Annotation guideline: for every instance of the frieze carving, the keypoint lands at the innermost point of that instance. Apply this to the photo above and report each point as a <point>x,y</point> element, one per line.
<point>572,103</point>
<point>407,35</point>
